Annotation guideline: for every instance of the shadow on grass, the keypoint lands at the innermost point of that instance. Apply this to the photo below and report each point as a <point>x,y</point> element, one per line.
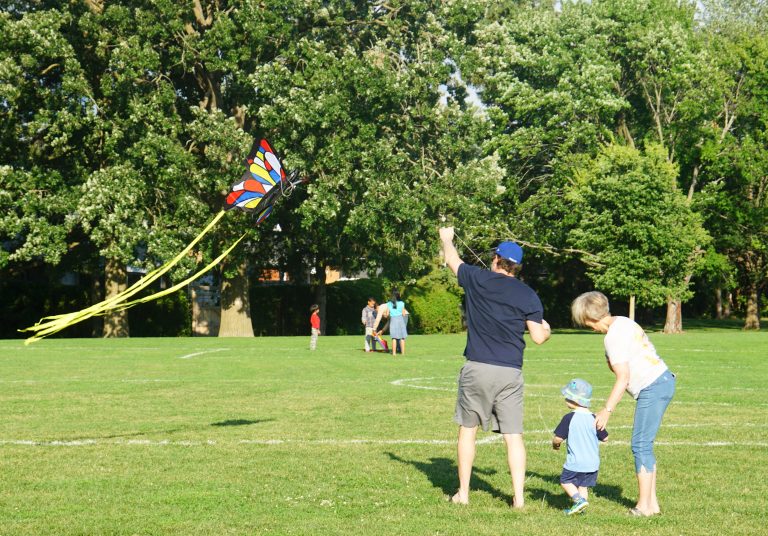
<point>443,474</point>
<point>240,422</point>
<point>561,500</point>
<point>120,435</point>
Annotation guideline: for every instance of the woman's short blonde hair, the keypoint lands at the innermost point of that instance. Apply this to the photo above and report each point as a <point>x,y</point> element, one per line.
<point>589,306</point>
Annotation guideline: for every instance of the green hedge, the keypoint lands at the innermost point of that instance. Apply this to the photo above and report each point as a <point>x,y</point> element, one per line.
<point>435,303</point>
<point>284,309</point>
<point>276,310</point>
<point>345,303</point>
<point>169,316</point>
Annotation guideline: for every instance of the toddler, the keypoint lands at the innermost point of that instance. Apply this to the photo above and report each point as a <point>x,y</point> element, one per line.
<point>578,429</point>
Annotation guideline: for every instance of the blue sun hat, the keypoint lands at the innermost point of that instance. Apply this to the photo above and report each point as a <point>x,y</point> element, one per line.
<point>510,251</point>
<point>578,391</point>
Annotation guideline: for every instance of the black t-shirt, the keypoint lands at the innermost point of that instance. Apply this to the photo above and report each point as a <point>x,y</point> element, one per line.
<point>497,307</point>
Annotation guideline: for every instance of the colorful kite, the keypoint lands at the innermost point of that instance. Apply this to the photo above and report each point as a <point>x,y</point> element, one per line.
<point>262,184</point>
<point>379,339</point>
<point>258,188</point>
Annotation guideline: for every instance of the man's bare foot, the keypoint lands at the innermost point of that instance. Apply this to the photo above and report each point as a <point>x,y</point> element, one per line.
<point>458,499</point>
<point>517,505</point>
<point>637,512</point>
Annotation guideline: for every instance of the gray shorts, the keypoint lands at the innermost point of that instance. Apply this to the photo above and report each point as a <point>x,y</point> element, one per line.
<point>490,396</point>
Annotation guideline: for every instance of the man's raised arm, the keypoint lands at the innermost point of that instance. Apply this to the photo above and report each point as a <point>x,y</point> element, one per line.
<point>452,258</point>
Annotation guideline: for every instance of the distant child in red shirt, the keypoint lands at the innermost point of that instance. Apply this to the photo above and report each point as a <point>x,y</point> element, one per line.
<point>314,321</point>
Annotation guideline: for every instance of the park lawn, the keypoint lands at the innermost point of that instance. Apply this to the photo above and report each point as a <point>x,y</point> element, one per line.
<point>262,436</point>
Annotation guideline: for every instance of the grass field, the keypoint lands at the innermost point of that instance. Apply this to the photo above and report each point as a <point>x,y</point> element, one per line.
<point>260,436</point>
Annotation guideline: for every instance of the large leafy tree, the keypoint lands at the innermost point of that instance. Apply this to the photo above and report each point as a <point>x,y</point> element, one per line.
<point>677,94</point>
<point>114,136</point>
<point>632,215</point>
<point>45,113</point>
<point>739,212</point>
<point>734,160</point>
<point>358,102</point>
<point>562,84</point>
<point>348,93</point>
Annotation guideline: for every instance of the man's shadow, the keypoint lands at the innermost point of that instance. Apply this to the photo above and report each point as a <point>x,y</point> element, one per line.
<point>240,422</point>
<point>442,473</point>
<point>561,500</point>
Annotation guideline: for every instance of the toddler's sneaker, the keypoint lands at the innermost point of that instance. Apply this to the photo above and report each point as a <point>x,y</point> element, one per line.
<point>577,508</point>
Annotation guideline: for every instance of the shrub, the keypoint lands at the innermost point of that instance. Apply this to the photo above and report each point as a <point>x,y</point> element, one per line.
<point>435,302</point>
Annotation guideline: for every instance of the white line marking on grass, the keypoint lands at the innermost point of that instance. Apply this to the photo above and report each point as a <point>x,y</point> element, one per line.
<point>204,352</point>
<point>404,383</point>
<point>665,425</point>
<point>138,380</point>
<point>34,348</point>
<point>491,439</point>
<point>412,383</point>
<point>761,444</point>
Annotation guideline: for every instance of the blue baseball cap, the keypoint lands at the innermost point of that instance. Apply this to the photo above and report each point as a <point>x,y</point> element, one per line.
<point>510,251</point>
<point>579,391</point>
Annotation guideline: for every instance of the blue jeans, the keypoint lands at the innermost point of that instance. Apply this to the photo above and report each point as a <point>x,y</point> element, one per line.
<point>651,405</point>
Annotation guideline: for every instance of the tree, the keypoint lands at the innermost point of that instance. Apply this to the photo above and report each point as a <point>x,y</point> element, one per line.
<point>738,211</point>
<point>112,131</point>
<point>562,84</point>
<point>44,115</point>
<point>735,161</point>
<point>640,227</point>
<point>359,106</point>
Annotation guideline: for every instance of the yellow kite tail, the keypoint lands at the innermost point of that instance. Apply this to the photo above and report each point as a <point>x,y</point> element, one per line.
<point>181,284</point>
<point>52,324</point>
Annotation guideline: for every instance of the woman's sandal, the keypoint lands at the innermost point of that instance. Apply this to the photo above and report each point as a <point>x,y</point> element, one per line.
<point>638,513</point>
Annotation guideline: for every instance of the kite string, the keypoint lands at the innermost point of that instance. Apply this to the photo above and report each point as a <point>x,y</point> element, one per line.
<point>287,187</point>
<point>469,248</point>
<point>443,219</point>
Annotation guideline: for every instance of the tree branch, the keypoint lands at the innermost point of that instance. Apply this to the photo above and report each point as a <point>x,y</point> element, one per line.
<point>203,19</point>
<point>96,6</point>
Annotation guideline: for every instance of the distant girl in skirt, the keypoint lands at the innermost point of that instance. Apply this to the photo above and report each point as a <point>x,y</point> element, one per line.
<point>395,310</point>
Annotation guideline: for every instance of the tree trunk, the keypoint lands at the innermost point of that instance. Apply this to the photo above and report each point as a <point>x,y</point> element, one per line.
<point>719,303</point>
<point>727,305</point>
<point>96,295</point>
<point>115,277</point>
<point>321,295</point>
<point>236,306</point>
<point>752,320</point>
<point>632,307</point>
<point>206,310</point>
<point>674,321</point>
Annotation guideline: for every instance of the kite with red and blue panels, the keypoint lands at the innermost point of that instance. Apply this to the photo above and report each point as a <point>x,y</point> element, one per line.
<point>261,184</point>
